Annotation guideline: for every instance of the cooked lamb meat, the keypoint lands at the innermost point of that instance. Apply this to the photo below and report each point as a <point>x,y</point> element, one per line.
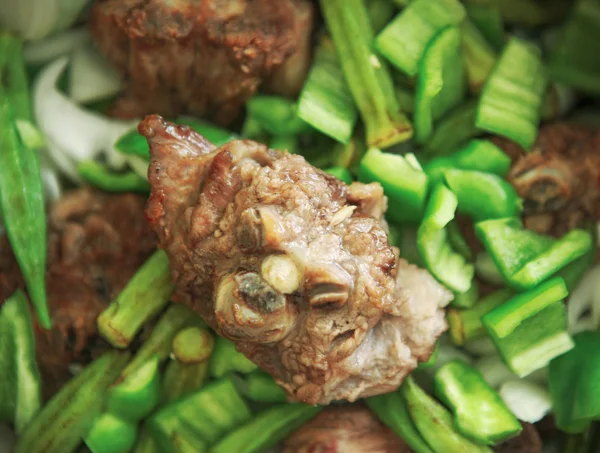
<point>291,264</point>
<point>528,441</point>
<point>96,242</point>
<point>344,429</point>
<point>202,57</point>
<point>559,179</point>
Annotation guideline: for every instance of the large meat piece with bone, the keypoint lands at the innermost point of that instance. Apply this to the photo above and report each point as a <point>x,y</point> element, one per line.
<point>291,264</point>
<point>204,57</point>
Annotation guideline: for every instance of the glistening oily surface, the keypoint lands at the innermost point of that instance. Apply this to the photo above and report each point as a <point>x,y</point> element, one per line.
<point>358,318</point>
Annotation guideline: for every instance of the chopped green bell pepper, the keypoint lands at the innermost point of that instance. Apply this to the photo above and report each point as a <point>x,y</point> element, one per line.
<point>340,173</point>
<point>111,434</point>
<point>453,130</point>
<point>480,414</point>
<point>226,359</point>
<point>277,115</point>
<point>479,56</point>
<point>467,299</point>
<point>98,175</point>
<point>261,387</point>
<point>458,241</point>
<point>530,329</point>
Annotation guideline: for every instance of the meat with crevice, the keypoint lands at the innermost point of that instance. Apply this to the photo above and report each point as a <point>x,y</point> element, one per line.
<point>291,264</point>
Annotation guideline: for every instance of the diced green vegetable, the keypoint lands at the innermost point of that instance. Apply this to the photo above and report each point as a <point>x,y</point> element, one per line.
<point>340,173</point>
<point>226,359</point>
<point>405,186</point>
<point>479,155</point>
<point>277,115</point>
<point>573,272</point>
<point>145,295</point>
<point>529,13</point>
<point>367,76</point>
<point>525,258</point>
<point>574,61</point>
<point>20,382</point>
<point>267,429</point>
<point>200,419</point>
<point>68,416</point>
<point>261,387</point>
<point>531,328</point>
<point>488,20</point>
<point>512,98</point>
<point>573,379</point>
<point>483,196</point>
<point>453,130</point>
<point>466,324</point>
<point>458,241</point>
<point>32,137</point>
<point>287,143</point>
<point>486,269</point>
<point>480,56</point>
<point>441,80</point>
<point>110,434</point>
<point>98,175</point>
<point>467,299</point>
<point>138,394</point>
<point>479,412</point>
<point>434,422</point>
<point>380,13</point>
<point>146,443</point>
<point>406,98</point>
<point>22,208</point>
<point>404,40</point>
<point>132,143</point>
<point>14,85</point>
<point>391,409</point>
<point>445,264</point>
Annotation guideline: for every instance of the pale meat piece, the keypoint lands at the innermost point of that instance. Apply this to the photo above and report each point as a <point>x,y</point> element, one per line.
<point>291,264</point>
<point>345,429</point>
<point>96,242</point>
<point>203,57</point>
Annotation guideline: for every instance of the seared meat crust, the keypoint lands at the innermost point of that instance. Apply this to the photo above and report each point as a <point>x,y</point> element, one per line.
<point>203,57</point>
<point>291,264</point>
<point>345,429</point>
<point>96,242</point>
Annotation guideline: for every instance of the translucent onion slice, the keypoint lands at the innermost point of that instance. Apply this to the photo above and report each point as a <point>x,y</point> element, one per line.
<point>583,309</point>
<point>529,402</point>
<point>59,45</point>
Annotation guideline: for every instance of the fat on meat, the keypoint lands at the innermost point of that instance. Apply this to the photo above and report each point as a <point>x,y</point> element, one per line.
<point>291,264</point>
<point>203,57</point>
<point>96,242</point>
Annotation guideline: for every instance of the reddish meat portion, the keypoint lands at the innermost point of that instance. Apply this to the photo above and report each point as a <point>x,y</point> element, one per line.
<point>96,242</point>
<point>291,264</point>
<point>346,429</point>
<point>204,57</point>
<point>559,179</point>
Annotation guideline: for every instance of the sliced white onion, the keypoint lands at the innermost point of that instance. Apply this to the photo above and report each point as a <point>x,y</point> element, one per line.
<point>585,298</point>
<point>69,12</point>
<point>495,372</point>
<point>49,49</point>
<point>72,133</point>
<point>92,78</point>
<point>50,179</point>
<point>528,401</point>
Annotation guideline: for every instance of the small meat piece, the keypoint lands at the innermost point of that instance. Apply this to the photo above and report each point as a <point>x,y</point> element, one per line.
<point>559,179</point>
<point>528,441</point>
<point>344,429</point>
<point>96,242</point>
<point>291,264</point>
<point>204,57</point>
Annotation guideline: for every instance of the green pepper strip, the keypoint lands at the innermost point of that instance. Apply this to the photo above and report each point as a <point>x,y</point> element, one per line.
<point>480,414</point>
<point>67,417</point>
<point>466,324</point>
<point>404,185</point>
<point>188,369</point>
<point>13,81</point>
<point>200,419</point>
<point>267,429</point>
<point>453,130</point>
<point>261,387</point>
<point>276,115</point>
<point>340,173</point>
<point>98,175</point>
<point>573,379</point>
<point>483,196</point>
<point>287,143</point>
<point>144,296</point>
<point>525,258</point>
<point>226,359</point>
<point>20,382</point>
<point>392,411</point>
<point>458,241</point>
<point>22,208</point>
<point>531,328</point>
<point>434,422</point>
<point>468,299</point>
<point>447,266</point>
<point>488,20</point>
<point>111,434</point>
<point>146,443</point>
<point>367,76</point>
<point>480,56</point>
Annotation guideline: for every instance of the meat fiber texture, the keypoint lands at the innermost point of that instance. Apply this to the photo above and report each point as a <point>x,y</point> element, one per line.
<point>204,57</point>
<point>559,179</point>
<point>96,242</point>
<point>344,429</point>
<point>291,264</point>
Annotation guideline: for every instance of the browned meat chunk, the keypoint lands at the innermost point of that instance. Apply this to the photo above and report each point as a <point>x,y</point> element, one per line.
<point>528,441</point>
<point>346,429</point>
<point>559,179</point>
<point>204,57</point>
<point>291,264</point>
<point>96,242</point>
